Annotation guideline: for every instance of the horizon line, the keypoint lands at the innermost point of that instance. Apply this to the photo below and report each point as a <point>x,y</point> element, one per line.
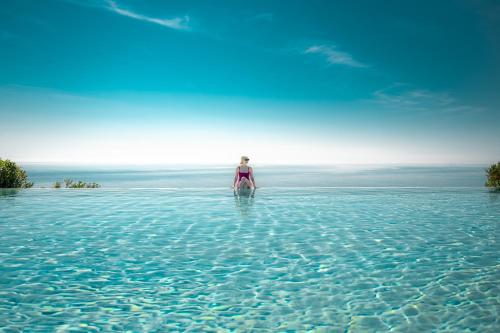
<point>319,164</point>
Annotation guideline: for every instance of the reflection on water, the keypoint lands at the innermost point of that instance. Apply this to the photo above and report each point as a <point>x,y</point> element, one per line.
<point>8,192</point>
<point>303,260</point>
<point>244,199</point>
<point>494,195</point>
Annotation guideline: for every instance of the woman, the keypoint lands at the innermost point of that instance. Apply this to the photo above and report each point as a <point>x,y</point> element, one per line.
<point>244,175</point>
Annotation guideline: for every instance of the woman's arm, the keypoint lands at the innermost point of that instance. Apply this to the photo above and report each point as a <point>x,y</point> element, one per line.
<point>251,177</point>
<point>235,177</point>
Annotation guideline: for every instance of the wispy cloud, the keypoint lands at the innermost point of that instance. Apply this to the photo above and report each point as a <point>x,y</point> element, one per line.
<point>402,97</point>
<point>334,56</point>
<point>268,17</point>
<point>177,23</point>
<point>5,35</point>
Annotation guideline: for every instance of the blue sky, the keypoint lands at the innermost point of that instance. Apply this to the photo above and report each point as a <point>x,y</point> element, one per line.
<point>298,82</point>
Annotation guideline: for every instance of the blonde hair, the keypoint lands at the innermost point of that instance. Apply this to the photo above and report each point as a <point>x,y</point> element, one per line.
<point>243,158</point>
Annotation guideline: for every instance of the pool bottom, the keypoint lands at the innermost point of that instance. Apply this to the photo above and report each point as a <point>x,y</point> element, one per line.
<point>332,260</point>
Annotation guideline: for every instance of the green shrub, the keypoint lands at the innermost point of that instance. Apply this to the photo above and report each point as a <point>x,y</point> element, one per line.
<point>493,174</point>
<point>57,185</point>
<point>69,183</point>
<point>13,176</point>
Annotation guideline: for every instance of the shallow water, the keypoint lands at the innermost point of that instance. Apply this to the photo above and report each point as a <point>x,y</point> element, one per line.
<point>328,260</point>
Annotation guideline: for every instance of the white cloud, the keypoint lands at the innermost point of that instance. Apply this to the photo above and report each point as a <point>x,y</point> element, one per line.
<point>404,98</point>
<point>268,17</point>
<point>177,23</point>
<point>334,56</point>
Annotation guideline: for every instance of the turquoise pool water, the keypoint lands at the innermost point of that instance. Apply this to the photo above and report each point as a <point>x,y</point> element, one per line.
<point>296,259</point>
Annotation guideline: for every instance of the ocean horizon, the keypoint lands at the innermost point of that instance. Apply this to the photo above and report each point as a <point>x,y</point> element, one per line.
<point>286,176</point>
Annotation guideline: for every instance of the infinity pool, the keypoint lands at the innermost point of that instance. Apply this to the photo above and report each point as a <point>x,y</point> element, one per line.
<point>297,259</point>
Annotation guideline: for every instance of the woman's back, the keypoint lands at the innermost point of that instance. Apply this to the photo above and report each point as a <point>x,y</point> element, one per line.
<point>244,174</point>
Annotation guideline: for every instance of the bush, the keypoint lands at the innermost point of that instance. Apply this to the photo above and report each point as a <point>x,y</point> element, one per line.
<point>69,183</point>
<point>493,174</point>
<point>13,176</point>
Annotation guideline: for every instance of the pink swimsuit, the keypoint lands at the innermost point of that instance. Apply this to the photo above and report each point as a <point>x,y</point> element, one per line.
<point>243,174</point>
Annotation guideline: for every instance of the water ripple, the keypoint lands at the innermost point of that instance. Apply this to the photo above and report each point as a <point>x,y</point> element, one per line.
<point>322,260</point>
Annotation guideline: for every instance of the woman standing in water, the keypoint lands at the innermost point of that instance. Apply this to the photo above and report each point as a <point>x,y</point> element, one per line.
<point>244,175</point>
